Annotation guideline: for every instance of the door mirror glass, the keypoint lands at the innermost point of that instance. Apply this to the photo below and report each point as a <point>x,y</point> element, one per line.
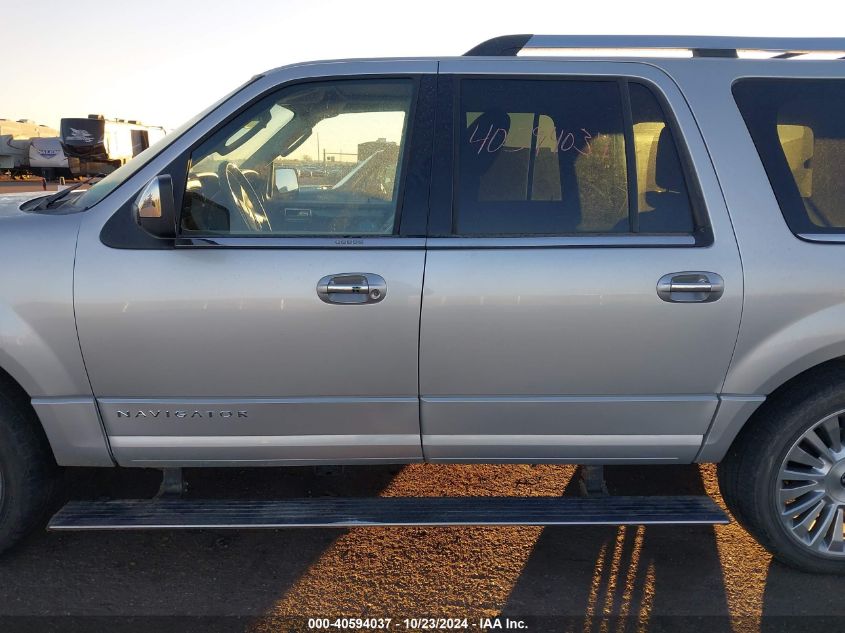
<point>287,180</point>
<point>154,208</point>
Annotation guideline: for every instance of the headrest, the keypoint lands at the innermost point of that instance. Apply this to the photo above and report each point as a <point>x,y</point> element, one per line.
<point>478,154</point>
<point>667,168</point>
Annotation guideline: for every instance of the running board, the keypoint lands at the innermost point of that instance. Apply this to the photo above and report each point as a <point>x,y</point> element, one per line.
<point>384,511</point>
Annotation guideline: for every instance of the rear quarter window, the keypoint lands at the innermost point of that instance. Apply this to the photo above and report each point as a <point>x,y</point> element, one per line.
<point>798,128</point>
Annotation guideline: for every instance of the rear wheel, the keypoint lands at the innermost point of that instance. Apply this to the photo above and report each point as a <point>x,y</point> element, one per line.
<point>784,477</point>
<point>27,471</point>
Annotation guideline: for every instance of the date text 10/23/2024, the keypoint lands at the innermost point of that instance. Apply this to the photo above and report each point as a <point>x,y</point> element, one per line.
<point>417,624</point>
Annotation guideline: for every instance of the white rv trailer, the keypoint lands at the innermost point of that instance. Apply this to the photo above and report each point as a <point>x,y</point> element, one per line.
<point>48,159</point>
<point>102,145</point>
<point>15,140</point>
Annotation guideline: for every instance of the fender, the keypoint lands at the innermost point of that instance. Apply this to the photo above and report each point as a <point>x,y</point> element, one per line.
<point>39,347</point>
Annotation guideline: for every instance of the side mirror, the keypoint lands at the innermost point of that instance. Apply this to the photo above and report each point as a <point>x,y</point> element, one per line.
<point>286,180</point>
<point>155,209</point>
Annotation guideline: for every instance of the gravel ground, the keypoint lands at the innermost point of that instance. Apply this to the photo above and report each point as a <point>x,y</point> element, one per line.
<point>601,579</point>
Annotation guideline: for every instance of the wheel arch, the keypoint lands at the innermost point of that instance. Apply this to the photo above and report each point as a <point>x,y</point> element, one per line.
<point>13,389</point>
<point>737,413</point>
<point>69,426</point>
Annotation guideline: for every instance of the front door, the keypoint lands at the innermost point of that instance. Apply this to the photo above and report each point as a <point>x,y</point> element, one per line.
<point>583,286</point>
<point>282,326</point>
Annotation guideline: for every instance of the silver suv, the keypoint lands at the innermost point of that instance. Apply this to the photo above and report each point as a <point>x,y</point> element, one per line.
<point>591,250</point>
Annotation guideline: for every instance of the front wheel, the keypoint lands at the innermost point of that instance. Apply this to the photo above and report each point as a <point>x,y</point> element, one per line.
<point>784,477</point>
<point>27,471</point>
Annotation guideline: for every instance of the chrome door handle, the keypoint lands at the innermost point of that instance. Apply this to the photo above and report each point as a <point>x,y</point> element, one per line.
<point>333,287</point>
<point>352,288</point>
<point>690,287</point>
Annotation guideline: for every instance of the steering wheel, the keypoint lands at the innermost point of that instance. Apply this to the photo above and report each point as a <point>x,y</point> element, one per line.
<point>242,194</point>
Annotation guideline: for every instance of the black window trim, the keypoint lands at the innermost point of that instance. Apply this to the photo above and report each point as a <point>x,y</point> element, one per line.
<point>443,215</point>
<point>121,231</point>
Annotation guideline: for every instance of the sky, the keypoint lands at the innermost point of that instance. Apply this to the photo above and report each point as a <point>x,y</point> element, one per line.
<point>162,61</point>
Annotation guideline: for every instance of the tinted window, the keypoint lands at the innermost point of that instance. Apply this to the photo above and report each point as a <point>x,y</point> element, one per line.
<point>548,157</point>
<point>798,128</point>
<point>540,157</point>
<point>311,159</point>
<point>662,198</point>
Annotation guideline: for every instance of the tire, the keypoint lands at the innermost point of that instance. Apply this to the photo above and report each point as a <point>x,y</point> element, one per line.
<point>783,478</point>
<point>28,472</point>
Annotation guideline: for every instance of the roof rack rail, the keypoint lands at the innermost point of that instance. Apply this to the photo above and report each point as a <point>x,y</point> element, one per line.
<point>502,46</point>
<point>663,46</point>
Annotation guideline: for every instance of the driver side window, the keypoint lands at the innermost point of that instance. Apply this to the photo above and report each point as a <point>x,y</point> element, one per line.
<point>309,160</point>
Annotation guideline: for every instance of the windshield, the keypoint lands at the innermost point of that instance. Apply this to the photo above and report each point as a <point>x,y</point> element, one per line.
<point>108,184</point>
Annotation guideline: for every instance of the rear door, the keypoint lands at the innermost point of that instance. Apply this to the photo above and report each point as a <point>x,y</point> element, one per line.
<point>583,286</point>
<point>282,325</point>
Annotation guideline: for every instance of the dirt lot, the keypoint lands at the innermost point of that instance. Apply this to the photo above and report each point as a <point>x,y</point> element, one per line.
<point>555,579</point>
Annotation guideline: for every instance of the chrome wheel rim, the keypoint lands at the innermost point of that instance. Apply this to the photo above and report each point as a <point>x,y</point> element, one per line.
<point>811,488</point>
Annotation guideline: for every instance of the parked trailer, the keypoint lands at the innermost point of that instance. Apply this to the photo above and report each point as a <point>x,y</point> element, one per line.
<point>14,153</point>
<point>48,159</point>
<point>15,141</point>
<point>102,145</point>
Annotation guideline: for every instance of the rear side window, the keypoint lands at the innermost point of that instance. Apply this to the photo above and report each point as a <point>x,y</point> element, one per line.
<point>798,128</point>
<point>557,157</point>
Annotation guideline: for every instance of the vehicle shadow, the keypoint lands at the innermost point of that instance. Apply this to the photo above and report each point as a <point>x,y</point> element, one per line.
<point>162,581</point>
<point>626,578</point>
<point>667,578</point>
<point>794,601</point>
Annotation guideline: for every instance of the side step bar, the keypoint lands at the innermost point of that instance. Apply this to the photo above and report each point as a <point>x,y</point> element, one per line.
<point>164,513</point>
